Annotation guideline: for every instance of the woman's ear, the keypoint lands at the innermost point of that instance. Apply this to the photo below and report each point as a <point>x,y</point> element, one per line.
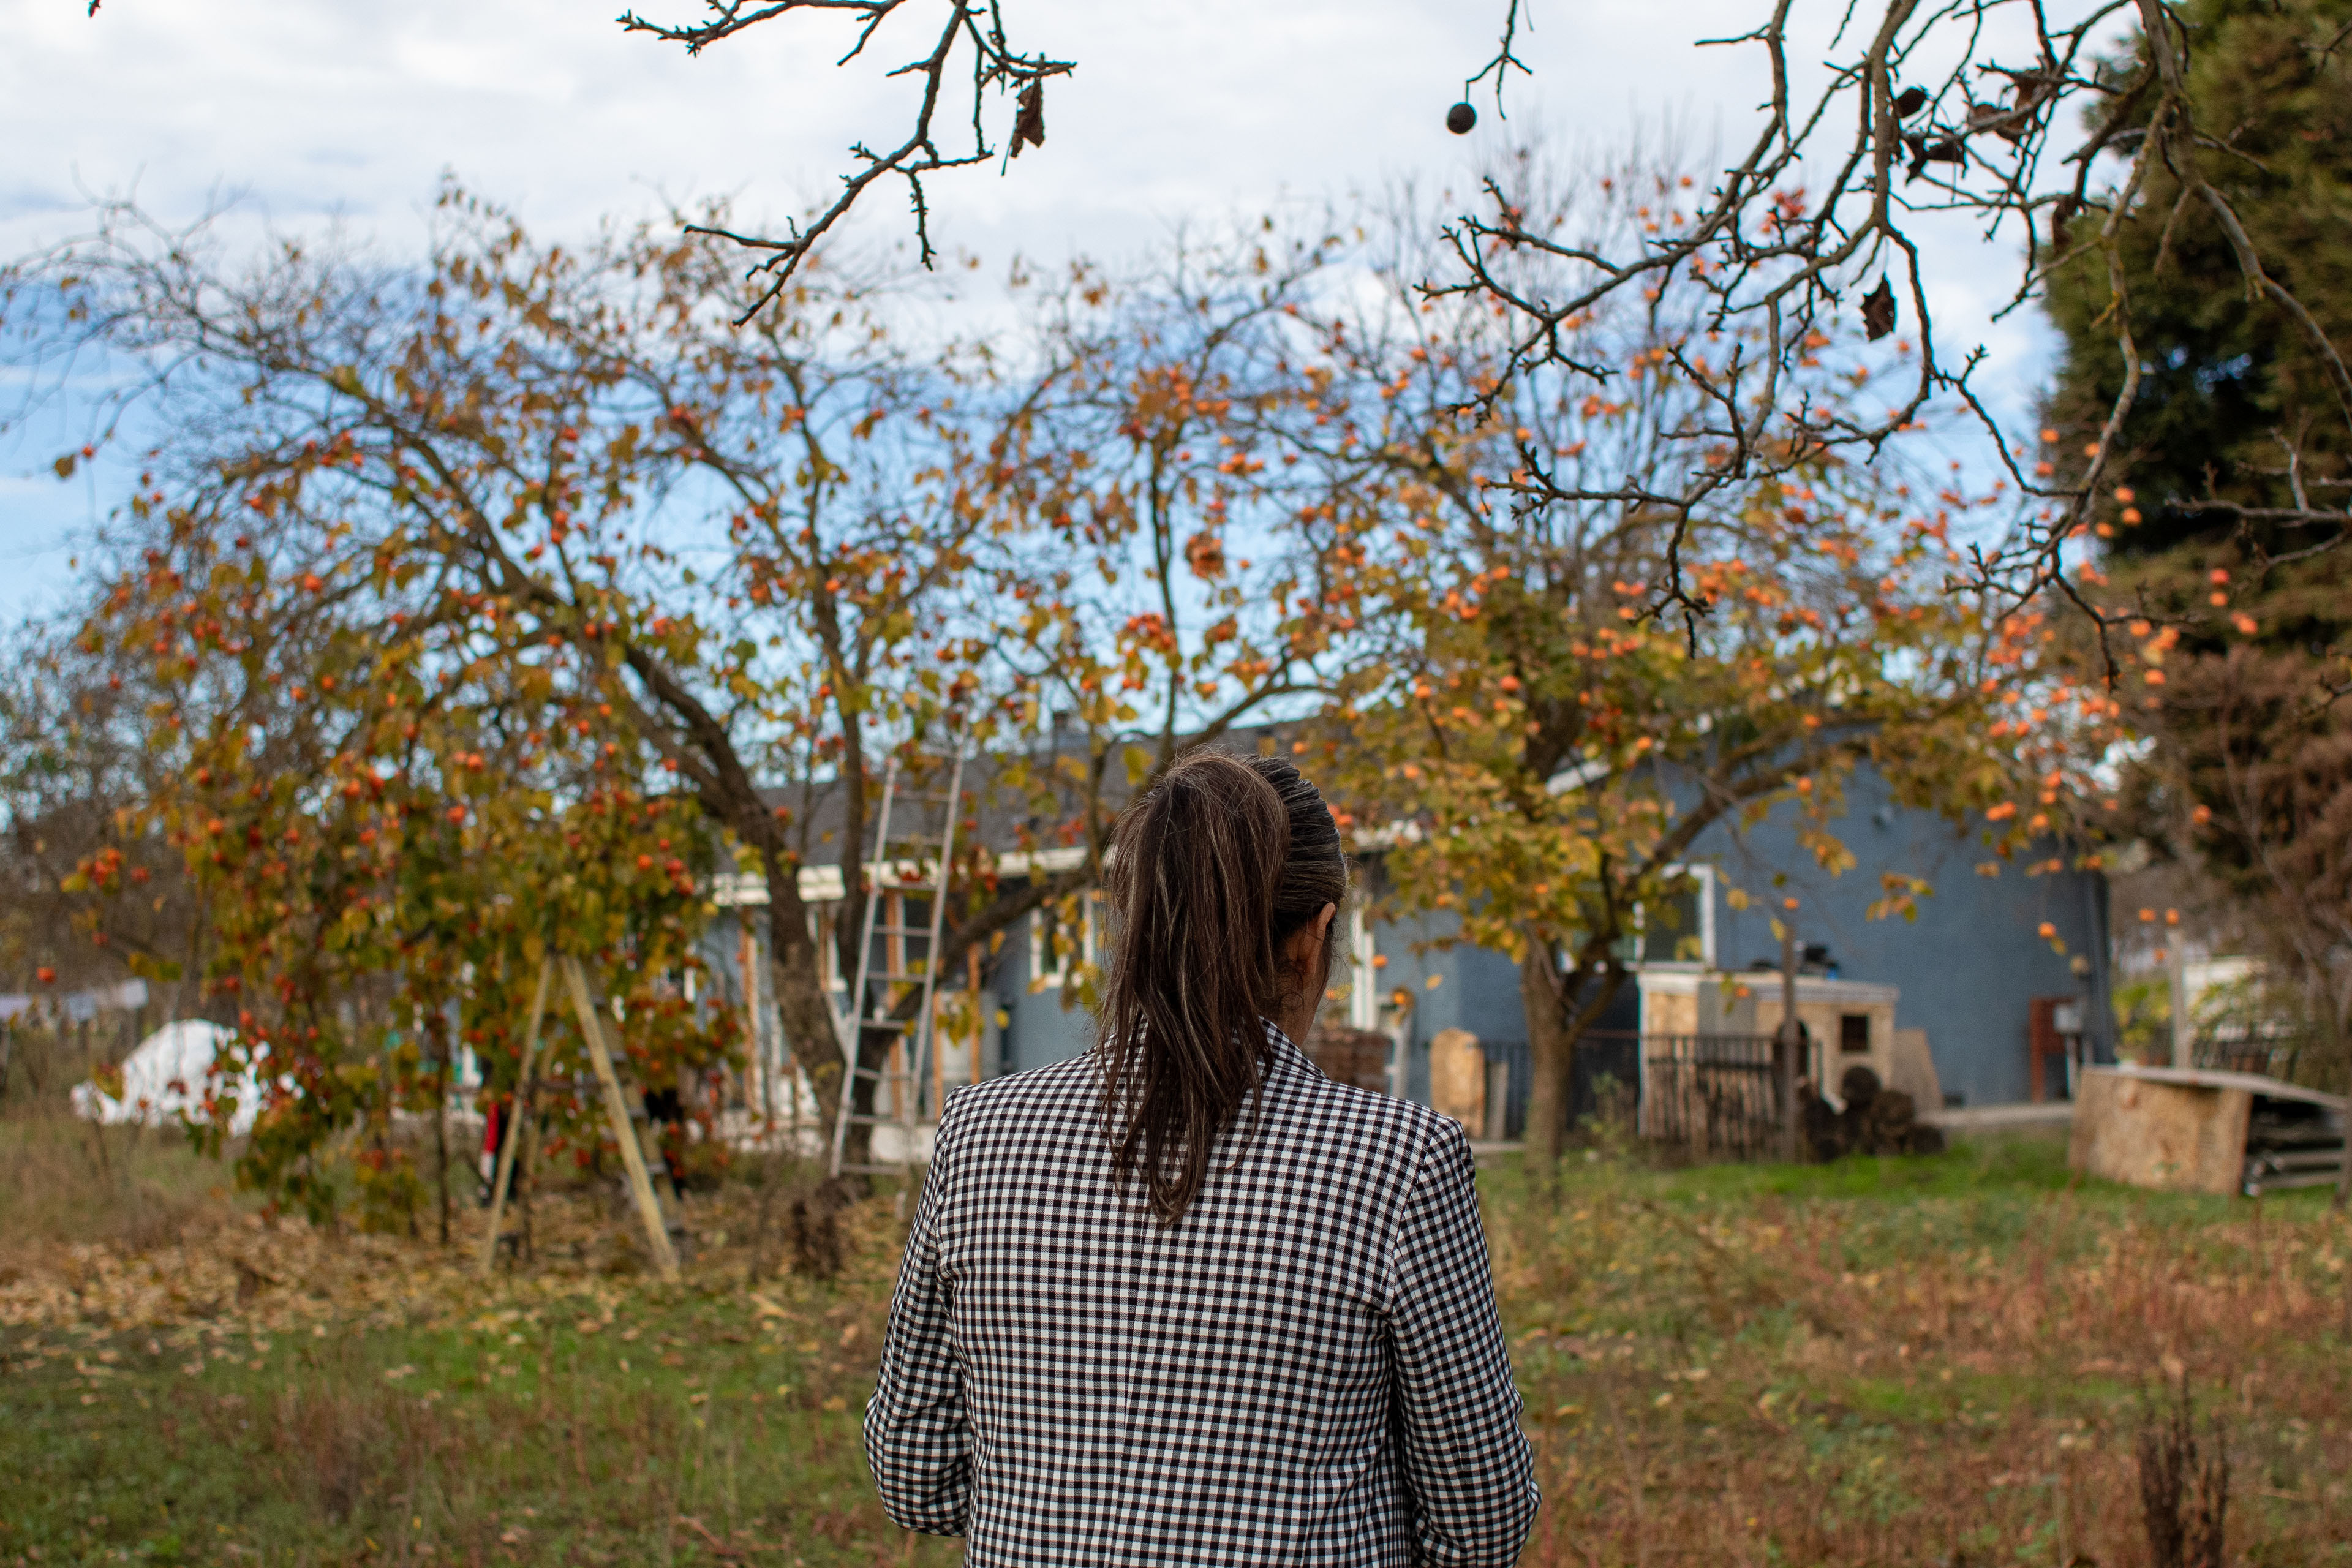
<point>1309,940</point>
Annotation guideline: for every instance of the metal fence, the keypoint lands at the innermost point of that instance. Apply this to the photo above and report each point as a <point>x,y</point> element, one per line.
<point>1710,1097</point>
<point>2291,1056</point>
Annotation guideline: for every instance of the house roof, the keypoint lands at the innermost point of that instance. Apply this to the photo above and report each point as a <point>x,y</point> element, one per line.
<point>1025,842</point>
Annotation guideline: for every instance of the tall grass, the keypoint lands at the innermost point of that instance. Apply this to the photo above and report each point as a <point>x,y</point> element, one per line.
<point>66,1182</point>
<point>1943,1360</point>
<point>1965,1359</point>
<point>307,1397</point>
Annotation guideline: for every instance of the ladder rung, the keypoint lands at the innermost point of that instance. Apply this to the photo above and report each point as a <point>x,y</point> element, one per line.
<point>887,1025</point>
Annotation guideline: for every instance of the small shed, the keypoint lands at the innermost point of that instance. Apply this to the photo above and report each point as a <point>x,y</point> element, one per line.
<point>1851,1022</point>
<point>2192,1131</point>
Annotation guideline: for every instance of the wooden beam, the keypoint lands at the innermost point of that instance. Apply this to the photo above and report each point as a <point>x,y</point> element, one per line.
<point>641,1186</point>
<point>515,1118</point>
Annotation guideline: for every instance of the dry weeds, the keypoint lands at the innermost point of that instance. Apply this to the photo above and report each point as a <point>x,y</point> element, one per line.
<point>1952,1361</point>
<point>1957,1374</point>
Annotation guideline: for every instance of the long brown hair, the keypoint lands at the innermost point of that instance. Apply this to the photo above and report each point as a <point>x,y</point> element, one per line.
<point>1210,873</point>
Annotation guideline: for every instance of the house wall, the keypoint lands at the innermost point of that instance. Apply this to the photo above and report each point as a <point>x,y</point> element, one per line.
<point>1039,1030</point>
<point>1966,969</point>
<point>1477,990</point>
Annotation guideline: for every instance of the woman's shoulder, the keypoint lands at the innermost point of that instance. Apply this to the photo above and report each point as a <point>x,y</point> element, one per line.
<point>1322,1099</point>
<point>1411,1130</point>
<point>1301,1113</point>
<point>1072,1085</point>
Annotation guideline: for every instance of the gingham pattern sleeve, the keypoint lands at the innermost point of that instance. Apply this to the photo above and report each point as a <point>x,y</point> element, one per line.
<point>1467,1464</point>
<point>917,1439</point>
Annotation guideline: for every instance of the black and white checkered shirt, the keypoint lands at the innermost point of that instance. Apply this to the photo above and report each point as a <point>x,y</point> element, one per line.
<point>1305,1368</point>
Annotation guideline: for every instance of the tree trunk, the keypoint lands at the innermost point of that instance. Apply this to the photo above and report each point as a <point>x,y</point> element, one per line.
<point>2333,1022</point>
<point>441,1132</point>
<point>798,978</point>
<point>525,1162</point>
<point>1551,1052</point>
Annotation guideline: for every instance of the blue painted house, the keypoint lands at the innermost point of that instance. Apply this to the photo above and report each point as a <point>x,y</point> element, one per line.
<point>1972,972</point>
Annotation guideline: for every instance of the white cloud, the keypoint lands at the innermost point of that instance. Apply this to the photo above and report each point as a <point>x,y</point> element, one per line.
<point>320,109</point>
<point>358,108</point>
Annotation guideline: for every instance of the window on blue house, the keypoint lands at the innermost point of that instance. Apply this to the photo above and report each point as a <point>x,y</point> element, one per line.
<point>1678,928</point>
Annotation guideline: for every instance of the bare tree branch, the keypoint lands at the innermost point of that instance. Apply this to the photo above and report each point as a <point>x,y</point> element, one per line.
<point>969,31</point>
<point>1828,196</point>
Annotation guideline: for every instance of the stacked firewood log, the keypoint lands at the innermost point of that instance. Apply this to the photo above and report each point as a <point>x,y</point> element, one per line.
<point>1874,1121</point>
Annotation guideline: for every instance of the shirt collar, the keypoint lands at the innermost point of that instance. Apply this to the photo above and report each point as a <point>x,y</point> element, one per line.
<point>1282,1051</point>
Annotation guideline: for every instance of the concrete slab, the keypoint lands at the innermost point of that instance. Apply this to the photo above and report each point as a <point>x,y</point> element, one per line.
<point>2049,1116</point>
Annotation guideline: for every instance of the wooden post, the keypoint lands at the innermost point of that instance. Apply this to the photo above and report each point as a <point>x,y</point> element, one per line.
<point>517,1116</point>
<point>2184,1028</point>
<point>1785,1047</point>
<point>641,1186</point>
<point>528,1156</point>
<point>747,958</point>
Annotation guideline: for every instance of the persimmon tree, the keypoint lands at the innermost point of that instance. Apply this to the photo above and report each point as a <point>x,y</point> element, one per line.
<point>1166,486</point>
<point>2080,133</point>
<point>762,561</point>
<point>72,752</point>
<point>1536,750</point>
<point>963,65</point>
<point>765,558</point>
<point>392,819</point>
<point>2076,132</point>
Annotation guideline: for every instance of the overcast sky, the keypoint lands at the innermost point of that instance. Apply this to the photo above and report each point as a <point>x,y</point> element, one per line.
<point>310,110</point>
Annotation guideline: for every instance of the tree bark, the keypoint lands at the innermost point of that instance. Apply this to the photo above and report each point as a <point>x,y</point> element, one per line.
<point>796,976</point>
<point>1552,1050</point>
<point>441,1134</point>
<point>2333,1021</point>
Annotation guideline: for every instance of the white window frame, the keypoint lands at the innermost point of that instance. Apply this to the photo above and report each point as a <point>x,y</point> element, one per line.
<point>1704,874</point>
<point>1363,991</point>
<point>821,919</point>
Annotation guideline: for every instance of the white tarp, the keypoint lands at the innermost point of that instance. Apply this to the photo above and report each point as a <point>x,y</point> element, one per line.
<point>166,1076</point>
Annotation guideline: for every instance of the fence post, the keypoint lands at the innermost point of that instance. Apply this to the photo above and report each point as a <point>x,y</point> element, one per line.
<point>2184,1029</point>
<point>1786,1043</point>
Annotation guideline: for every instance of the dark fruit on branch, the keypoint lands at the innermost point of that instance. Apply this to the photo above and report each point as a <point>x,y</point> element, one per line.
<point>1460,119</point>
<point>1878,310</point>
<point>1029,125</point>
<point>1911,101</point>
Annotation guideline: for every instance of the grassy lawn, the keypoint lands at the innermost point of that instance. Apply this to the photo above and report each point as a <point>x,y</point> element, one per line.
<point>1941,1360</point>
<point>1938,1361</point>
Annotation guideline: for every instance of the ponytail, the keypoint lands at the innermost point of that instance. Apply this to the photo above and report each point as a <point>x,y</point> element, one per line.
<point>1210,874</point>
